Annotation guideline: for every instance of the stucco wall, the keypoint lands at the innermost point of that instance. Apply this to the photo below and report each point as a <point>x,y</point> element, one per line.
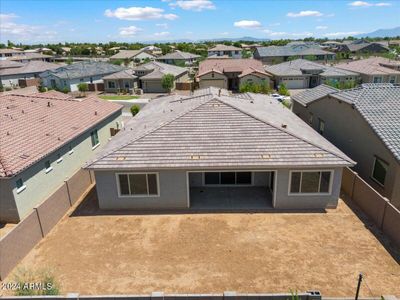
<point>255,79</point>
<point>71,84</point>
<point>218,80</point>
<point>356,139</point>
<point>39,184</point>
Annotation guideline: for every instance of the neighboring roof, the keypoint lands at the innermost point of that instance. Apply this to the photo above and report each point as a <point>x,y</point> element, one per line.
<point>310,95</point>
<point>4,64</point>
<point>379,105</point>
<point>372,66</point>
<point>30,56</point>
<point>298,66</point>
<point>84,69</point>
<point>222,47</point>
<point>211,129</point>
<point>124,74</point>
<point>240,65</point>
<point>34,66</point>
<point>31,129</point>
<point>159,70</point>
<point>290,50</point>
<point>354,47</point>
<point>7,51</point>
<point>128,54</point>
<point>176,55</point>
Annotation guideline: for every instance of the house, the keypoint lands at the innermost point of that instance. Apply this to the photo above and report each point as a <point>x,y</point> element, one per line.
<point>179,58</point>
<point>13,74</point>
<point>371,138</point>
<point>302,73</point>
<point>7,53</point>
<point>231,73</point>
<point>124,80</point>
<point>374,69</point>
<point>68,77</point>
<point>46,138</point>
<point>31,56</point>
<point>210,148</point>
<point>154,50</point>
<point>132,57</point>
<point>277,54</point>
<point>361,46</point>
<point>151,74</point>
<point>225,50</point>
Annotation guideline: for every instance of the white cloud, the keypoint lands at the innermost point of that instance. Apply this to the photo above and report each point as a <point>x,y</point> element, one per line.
<point>162,25</point>
<point>247,24</point>
<point>368,4</point>
<point>139,13</point>
<point>196,5</point>
<point>163,33</point>
<point>275,24</point>
<point>342,34</point>
<point>129,31</point>
<point>305,13</point>
<point>321,27</point>
<point>283,34</point>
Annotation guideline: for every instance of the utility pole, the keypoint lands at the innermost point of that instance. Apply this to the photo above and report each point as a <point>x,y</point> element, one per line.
<point>360,278</point>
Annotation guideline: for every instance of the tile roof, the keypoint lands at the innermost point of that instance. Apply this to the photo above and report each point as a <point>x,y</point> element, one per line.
<point>4,64</point>
<point>290,50</point>
<point>222,47</point>
<point>179,55</point>
<point>34,66</point>
<point>33,126</point>
<point>127,54</point>
<point>29,56</point>
<point>124,74</point>
<point>310,95</point>
<point>238,65</point>
<point>299,66</point>
<point>160,69</point>
<point>372,66</point>
<point>84,69</point>
<point>211,129</point>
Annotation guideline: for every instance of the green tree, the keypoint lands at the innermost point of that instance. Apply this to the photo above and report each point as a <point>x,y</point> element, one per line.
<point>246,54</point>
<point>283,90</point>
<point>135,109</point>
<point>83,88</point>
<point>69,61</point>
<point>167,82</point>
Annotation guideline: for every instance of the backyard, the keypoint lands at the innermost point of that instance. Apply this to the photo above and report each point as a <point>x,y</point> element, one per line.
<point>95,252</point>
<point>118,97</point>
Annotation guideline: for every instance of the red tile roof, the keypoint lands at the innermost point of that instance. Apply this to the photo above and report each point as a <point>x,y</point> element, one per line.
<point>33,126</point>
<point>238,65</point>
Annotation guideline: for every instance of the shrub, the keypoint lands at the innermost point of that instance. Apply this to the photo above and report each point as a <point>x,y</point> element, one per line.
<point>342,85</point>
<point>135,109</point>
<point>283,90</point>
<point>167,82</point>
<point>8,88</point>
<point>65,90</point>
<point>1,88</point>
<point>41,89</point>
<point>83,87</point>
<point>47,285</point>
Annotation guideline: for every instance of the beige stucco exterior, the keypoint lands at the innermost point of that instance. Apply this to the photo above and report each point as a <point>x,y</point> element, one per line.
<point>213,79</point>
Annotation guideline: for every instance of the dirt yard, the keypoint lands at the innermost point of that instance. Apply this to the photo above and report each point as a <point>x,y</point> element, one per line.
<point>96,253</point>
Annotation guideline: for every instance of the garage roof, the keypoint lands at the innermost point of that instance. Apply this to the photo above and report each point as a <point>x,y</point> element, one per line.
<point>211,129</point>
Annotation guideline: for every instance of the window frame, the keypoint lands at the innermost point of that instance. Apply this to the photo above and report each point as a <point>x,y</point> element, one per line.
<point>22,187</point>
<point>50,168</point>
<point>147,182</point>
<point>92,133</point>
<point>331,171</point>
<point>320,122</point>
<point>231,185</point>
<point>373,169</point>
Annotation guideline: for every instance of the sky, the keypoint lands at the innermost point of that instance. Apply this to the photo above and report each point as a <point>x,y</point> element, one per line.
<point>51,21</point>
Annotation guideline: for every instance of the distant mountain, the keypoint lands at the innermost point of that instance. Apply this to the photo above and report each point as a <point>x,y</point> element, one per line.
<point>245,38</point>
<point>392,32</point>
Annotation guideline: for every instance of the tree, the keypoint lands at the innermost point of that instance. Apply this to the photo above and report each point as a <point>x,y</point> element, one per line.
<point>69,61</point>
<point>283,90</point>
<point>83,87</point>
<point>135,109</point>
<point>167,82</point>
<point>246,54</point>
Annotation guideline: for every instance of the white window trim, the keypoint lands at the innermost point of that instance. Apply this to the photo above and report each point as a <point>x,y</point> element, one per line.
<point>373,168</point>
<point>59,159</point>
<point>21,189</point>
<point>95,146</point>
<point>141,195</point>
<point>98,138</point>
<point>319,184</point>
<point>222,185</point>
<point>71,151</point>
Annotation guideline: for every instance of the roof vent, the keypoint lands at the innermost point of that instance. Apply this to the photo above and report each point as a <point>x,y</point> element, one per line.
<point>219,93</point>
<point>195,157</point>
<point>121,158</point>
<point>95,112</point>
<point>48,104</point>
<point>284,125</point>
<point>265,156</point>
<point>319,155</point>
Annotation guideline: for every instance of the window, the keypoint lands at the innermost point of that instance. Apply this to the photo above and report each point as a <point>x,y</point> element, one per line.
<point>70,149</point>
<point>94,136</point>
<point>59,158</point>
<point>227,178</point>
<point>379,171</point>
<point>111,84</point>
<point>310,182</point>
<point>321,126</point>
<point>378,79</point>
<point>47,166</point>
<point>20,185</point>
<point>392,79</point>
<point>138,184</point>
<point>311,118</point>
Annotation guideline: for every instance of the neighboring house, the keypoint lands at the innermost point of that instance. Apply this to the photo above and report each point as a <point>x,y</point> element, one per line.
<point>124,80</point>
<point>133,57</point>
<point>277,54</point>
<point>365,124</point>
<point>302,73</point>
<point>154,50</point>
<point>10,53</point>
<point>45,138</point>
<point>224,50</point>
<point>179,58</point>
<point>10,76</point>
<point>71,75</point>
<point>32,56</point>
<point>212,150</point>
<point>361,46</point>
<point>374,69</point>
<point>231,73</point>
<point>151,74</point>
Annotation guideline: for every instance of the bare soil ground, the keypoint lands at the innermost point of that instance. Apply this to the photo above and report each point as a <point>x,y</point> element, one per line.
<point>92,252</point>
